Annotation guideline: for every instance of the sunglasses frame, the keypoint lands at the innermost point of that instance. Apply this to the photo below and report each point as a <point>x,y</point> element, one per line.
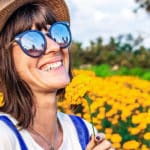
<point>18,37</point>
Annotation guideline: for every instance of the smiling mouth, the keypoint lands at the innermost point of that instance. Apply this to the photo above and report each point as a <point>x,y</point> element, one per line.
<point>52,66</point>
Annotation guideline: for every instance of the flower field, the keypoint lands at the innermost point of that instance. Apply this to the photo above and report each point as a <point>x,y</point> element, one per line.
<point>120,107</point>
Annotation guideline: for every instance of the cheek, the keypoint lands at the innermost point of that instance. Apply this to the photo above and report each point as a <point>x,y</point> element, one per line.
<point>66,58</point>
<point>18,57</point>
<point>21,60</point>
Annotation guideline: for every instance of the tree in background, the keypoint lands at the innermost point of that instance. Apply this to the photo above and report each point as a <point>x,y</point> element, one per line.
<point>125,50</point>
<point>76,54</point>
<point>143,4</point>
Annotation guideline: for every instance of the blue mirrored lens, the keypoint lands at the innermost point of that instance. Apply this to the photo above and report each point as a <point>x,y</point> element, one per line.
<point>33,43</point>
<point>61,34</point>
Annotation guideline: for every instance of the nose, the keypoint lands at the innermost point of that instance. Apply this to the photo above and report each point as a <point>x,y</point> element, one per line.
<point>52,46</point>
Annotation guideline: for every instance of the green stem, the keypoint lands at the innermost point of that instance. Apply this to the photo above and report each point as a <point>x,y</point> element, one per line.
<point>91,118</point>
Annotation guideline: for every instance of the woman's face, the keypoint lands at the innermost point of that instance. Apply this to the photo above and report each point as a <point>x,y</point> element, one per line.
<point>49,72</point>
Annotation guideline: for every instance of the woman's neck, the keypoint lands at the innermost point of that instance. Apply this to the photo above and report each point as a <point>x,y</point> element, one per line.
<point>45,120</point>
<point>45,100</point>
<point>45,123</point>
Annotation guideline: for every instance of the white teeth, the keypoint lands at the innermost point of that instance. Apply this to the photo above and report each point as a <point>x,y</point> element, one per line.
<point>52,66</point>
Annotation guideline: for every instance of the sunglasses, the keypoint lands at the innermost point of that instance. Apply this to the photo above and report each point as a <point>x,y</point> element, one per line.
<point>33,42</point>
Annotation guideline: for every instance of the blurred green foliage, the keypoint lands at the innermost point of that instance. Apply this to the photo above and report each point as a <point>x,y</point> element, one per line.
<point>105,70</point>
<point>124,51</point>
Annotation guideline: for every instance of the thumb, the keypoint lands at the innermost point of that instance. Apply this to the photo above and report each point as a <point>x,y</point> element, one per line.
<point>91,143</point>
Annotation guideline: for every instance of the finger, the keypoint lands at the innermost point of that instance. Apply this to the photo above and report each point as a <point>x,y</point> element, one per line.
<point>104,145</point>
<point>111,148</point>
<point>91,144</point>
<point>99,137</point>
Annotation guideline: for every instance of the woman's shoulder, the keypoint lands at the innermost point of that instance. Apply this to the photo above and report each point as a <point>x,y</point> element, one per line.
<point>12,119</point>
<point>7,137</point>
<point>64,118</point>
<point>69,119</point>
<point>4,128</point>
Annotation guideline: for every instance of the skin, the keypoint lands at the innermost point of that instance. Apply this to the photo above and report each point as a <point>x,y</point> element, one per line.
<point>44,85</point>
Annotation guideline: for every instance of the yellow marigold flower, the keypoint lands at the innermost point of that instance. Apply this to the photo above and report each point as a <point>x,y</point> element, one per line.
<point>142,125</point>
<point>77,88</point>
<point>102,110</point>
<point>1,99</point>
<point>96,120</point>
<point>111,112</point>
<point>108,130</point>
<point>144,147</point>
<point>78,114</point>
<point>86,72</point>
<point>98,127</point>
<point>124,118</point>
<point>87,116</point>
<point>147,136</point>
<point>148,118</point>
<point>114,121</point>
<point>116,138</point>
<point>108,135</point>
<point>137,118</point>
<point>101,116</point>
<point>134,131</point>
<point>131,145</point>
<point>116,145</point>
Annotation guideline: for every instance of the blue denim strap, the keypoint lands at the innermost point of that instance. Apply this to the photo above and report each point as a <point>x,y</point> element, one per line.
<point>82,130</point>
<point>9,123</point>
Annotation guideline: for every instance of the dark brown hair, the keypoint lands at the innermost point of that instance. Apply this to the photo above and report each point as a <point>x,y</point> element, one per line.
<point>18,100</point>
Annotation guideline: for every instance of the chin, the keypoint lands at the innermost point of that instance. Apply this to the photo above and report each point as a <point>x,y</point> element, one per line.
<point>65,84</point>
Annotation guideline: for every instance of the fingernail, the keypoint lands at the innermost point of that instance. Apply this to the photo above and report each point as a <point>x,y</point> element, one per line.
<point>90,137</point>
<point>98,138</point>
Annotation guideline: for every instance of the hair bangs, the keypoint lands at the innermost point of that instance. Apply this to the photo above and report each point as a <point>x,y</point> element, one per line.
<point>43,18</point>
<point>30,15</point>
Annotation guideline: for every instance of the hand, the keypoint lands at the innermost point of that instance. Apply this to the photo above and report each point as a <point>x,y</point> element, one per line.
<point>99,142</point>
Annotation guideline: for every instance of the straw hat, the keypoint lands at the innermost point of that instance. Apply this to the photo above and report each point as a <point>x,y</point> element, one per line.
<point>58,7</point>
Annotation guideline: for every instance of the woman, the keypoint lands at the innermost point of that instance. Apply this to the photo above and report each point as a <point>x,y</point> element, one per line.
<point>35,68</point>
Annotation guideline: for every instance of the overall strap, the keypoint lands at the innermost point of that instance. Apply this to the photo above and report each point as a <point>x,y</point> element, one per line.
<point>82,130</point>
<point>9,123</point>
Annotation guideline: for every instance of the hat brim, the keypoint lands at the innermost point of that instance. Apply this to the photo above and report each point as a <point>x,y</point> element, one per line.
<point>58,7</point>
